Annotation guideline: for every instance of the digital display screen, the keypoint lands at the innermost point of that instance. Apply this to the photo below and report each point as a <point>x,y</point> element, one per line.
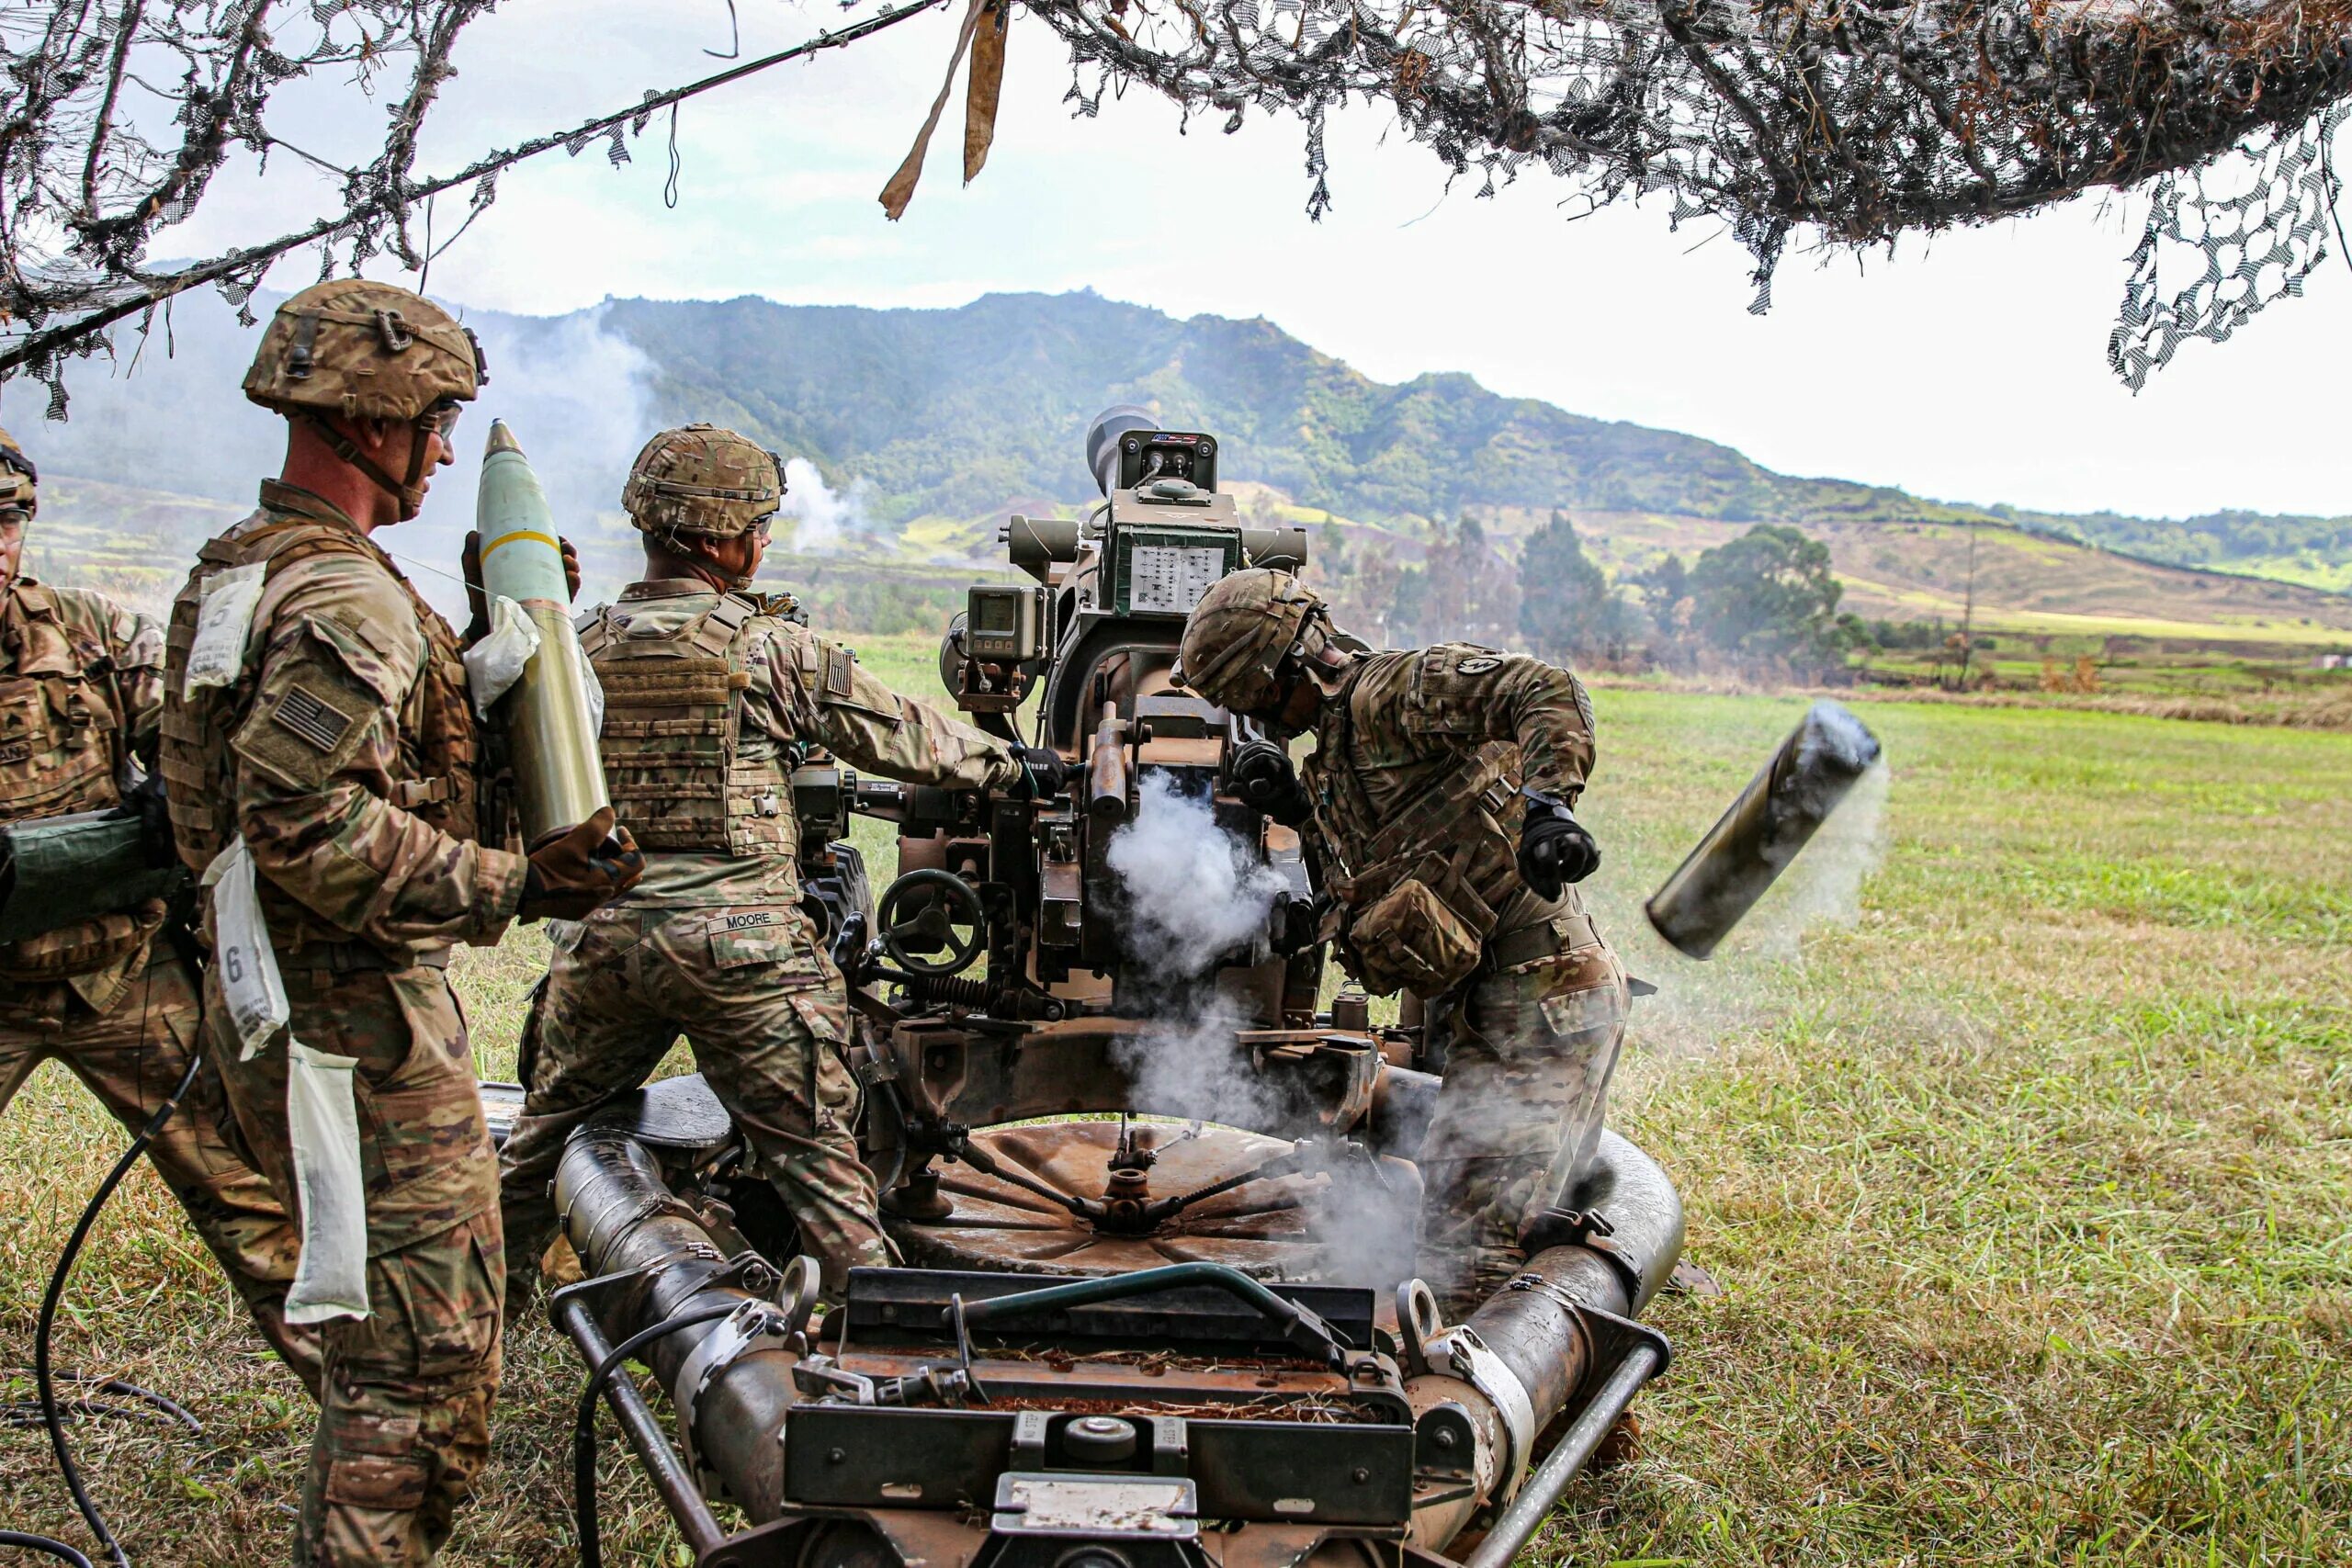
<point>997,614</point>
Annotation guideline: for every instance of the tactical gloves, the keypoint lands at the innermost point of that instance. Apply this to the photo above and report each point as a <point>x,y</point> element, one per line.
<point>575,872</point>
<point>1553,848</point>
<point>1263,780</point>
<point>1043,771</point>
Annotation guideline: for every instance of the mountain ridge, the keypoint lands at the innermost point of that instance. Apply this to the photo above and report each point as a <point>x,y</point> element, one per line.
<point>934,420</point>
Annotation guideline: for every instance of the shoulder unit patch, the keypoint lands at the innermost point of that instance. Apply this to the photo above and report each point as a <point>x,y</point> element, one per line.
<point>1477,665</point>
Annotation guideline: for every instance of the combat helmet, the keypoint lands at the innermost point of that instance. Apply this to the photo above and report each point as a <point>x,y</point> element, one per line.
<point>699,478</point>
<point>19,481</point>
<point>356,349</point>
<point>1243,631</point>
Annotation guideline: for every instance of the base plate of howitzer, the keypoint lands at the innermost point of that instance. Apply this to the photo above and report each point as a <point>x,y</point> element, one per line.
<point>1157,1304</point>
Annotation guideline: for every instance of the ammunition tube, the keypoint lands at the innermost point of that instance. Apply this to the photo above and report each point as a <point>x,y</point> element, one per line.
<point>1774,817</point>
<point>551,739</point>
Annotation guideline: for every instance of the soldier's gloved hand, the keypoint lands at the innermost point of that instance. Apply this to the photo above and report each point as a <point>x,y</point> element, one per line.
<point>1264,781</point>
<point>1292,923</point>
<point>1043,772</point>
<point>155,840</point>
<point>1554,848</point>
<point>574,874</point>
<point>477,597</point>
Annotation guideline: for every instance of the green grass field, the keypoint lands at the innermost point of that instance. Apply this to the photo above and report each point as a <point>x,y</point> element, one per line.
<point>2031,1188</point>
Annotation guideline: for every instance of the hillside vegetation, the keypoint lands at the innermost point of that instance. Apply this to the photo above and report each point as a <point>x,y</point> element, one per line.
<point>2313,550</point>
<point>927,426</point>
<point>951,411</point>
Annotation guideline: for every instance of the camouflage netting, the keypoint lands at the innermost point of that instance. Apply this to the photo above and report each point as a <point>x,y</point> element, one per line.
<point>116,116</point>
<point>1848,122</point>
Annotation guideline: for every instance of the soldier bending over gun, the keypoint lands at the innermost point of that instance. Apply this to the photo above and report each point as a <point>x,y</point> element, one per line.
<point>1436,814</point>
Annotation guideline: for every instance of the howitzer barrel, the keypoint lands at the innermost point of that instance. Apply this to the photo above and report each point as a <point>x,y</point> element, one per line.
<point>559,780</point>
<point>1774,817</point>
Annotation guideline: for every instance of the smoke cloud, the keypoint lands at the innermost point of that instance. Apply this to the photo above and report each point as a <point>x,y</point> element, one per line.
<point>1193,893</point>
<point>823,519</point>
<point>171,417</point>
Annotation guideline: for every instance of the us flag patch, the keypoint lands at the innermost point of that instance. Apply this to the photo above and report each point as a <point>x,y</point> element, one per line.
<point>312,718</point>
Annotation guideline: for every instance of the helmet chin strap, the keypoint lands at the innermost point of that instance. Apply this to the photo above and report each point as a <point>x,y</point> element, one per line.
<point>409,492</point>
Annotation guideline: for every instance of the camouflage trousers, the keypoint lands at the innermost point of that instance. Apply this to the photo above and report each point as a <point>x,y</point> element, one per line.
<point>404,1420</point>
<point>1526,1087</point>
<point>768,1020</point>
<point>131,1056</point>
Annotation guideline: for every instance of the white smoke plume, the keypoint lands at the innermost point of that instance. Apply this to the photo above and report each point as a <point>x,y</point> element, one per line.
<point>822,518</point>
<point>578,398</point>
<point>1194,890</point>
<point>1193,893</point>
<point>171,417</point>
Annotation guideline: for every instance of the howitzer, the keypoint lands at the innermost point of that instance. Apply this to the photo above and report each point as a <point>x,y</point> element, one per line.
<point>1117,1344</point>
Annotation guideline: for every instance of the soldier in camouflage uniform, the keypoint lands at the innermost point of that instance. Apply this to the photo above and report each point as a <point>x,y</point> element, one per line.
<point>343,750</point>
<point>1435,809</point>
<point>710,697</point>
<point>81,693</point>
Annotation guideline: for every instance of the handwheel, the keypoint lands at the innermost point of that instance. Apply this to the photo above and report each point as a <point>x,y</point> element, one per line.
<point>925,912</point>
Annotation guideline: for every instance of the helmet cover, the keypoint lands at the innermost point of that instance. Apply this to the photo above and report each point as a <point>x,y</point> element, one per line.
<point>700,478</point>
<point>358,349</point>
<point>19,482</point>
<point>1242,633</point>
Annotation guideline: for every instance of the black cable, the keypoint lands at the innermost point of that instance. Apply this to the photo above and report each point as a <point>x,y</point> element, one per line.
<point>44,1377</point>
<point>27,1412</point>
<point>583,1429</point>
<point>56,1549</point>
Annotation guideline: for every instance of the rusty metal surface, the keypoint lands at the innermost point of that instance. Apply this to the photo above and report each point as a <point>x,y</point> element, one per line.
<point>1277,1228</point>
<point>954,1072</point>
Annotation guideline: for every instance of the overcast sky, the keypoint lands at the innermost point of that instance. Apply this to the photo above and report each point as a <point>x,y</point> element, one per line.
<point>1970,368</point>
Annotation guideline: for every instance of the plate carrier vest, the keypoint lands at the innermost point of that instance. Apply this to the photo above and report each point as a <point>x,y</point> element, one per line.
<point>63,732</point>
<point>1458,836</point>
<point>682,771</point>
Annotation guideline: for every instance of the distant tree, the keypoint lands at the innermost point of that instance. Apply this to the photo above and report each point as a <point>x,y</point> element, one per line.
<point>1565,605</point>
<point>1464,590</point>
<point>1358,580</point>
<point>1662,588</point>
<point>1409,610</point>
<point>1767,594</point>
